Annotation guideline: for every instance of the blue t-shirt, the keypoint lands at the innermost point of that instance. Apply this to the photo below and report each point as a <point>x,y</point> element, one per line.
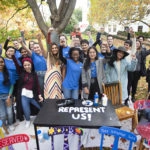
<point>73,73</point>
<point>12,68</point>
<point>93,70</point>
<point>66,52</point>
<point>100,55</point>
<point>39,62</point>
<point>112,47</point>
<point>17,54</point>
<point>4,89</point>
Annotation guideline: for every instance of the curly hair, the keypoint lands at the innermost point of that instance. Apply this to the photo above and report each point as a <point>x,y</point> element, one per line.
<point>74,49</point>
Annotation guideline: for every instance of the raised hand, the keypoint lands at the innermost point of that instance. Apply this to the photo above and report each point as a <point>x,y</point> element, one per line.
<point>20,40</point>
<point>50,29</point>
<point>9,38</point>
<point>133,56</point>
<point>38,36</point>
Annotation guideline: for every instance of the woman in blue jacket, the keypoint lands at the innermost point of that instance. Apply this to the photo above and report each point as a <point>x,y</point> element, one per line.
<point>118,67</point>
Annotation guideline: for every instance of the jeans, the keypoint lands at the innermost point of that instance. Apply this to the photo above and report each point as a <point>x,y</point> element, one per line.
<point>26,106</point>
<point>6,112</point>
<point>70,93</point>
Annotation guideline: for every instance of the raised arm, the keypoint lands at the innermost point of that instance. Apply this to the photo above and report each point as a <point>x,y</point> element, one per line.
<point>49,35</point>
<point>133,49</point>
<point>61,55</point>
<point>90,38</point>
<point>18,67</point>
<point>22,36</point>
<point>6,42</point>
<point>41,45</point>
<point>25,47</point>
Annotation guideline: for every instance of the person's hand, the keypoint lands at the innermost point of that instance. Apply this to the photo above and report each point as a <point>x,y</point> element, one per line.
<point>40,98</point>
<point>38,36</point>
<point>105,43</point>
<point>9,38</point>
<point>88,33</point>
<point>130,29</point>
<point>132,33</point>
<point>86,90</point>
<point>133,56</point>
<point>22,31</point>
<point>8,101</point>
<point>50,29</point>
<point>20,40</point>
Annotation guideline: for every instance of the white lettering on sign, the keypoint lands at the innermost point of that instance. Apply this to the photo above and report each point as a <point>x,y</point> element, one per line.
<point>13,139</point>
<point>83,113</point>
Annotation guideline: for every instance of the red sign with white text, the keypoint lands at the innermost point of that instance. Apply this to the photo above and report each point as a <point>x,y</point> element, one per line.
<point>18,138</point>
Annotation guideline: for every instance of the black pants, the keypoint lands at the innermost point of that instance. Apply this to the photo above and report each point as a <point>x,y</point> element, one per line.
<point>130,80</point>
<point>148,86</point>
<point>94,87</point>
<point>133,82</point>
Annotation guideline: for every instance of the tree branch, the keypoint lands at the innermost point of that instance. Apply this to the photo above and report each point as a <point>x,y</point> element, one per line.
<point>19,9</point>
<point>66,18</point>
<point>135,20</point>
<point>52,6</point>
<point>37,14</point>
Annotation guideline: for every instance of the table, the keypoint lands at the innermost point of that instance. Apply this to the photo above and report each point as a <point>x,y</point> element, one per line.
<point>78,115</point>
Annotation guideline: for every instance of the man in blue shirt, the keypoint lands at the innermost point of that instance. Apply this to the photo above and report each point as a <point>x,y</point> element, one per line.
<point>63,43</point>
<point>110,41</point>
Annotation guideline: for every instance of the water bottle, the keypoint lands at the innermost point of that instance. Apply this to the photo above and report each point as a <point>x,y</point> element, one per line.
<point>104,100</point>
<point>96,99</point>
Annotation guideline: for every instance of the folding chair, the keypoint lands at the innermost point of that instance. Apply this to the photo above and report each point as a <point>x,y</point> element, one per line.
<point>65,130</point>
<point>117,133</point>
<point>143,127</point>
<point>114,93</point>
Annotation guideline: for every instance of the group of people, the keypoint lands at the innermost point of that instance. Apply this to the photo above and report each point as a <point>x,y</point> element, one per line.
<point>30,74</point>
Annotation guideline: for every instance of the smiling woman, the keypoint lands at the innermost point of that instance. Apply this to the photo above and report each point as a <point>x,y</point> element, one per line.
<point>6,89</point>
<point>53,76</point>
<point>117,68</point>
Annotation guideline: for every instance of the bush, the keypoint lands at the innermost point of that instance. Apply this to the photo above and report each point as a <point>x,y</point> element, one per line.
<point>124,33</point>
<point>145,34</point>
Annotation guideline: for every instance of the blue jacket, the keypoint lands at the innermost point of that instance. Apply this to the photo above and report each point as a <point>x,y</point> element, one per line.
<point>112,74</point>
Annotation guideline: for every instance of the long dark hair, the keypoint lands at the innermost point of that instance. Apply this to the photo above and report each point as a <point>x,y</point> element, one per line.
<point>140,48</point>
<point>88,60</point>
<point>5,73</point>
<point>114,58</point>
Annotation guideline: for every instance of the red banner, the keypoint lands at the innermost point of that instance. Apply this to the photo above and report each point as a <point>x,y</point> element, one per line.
<point>18,138</point>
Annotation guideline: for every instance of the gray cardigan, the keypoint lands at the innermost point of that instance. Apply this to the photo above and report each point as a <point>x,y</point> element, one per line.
<point>86,76</point>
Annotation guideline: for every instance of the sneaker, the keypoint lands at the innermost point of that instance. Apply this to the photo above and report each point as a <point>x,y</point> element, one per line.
<point>27,125</point>
<point>126,102</point>
<point>11,128</point>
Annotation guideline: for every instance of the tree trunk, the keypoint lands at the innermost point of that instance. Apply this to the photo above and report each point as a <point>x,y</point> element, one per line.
<point>59,17</point>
